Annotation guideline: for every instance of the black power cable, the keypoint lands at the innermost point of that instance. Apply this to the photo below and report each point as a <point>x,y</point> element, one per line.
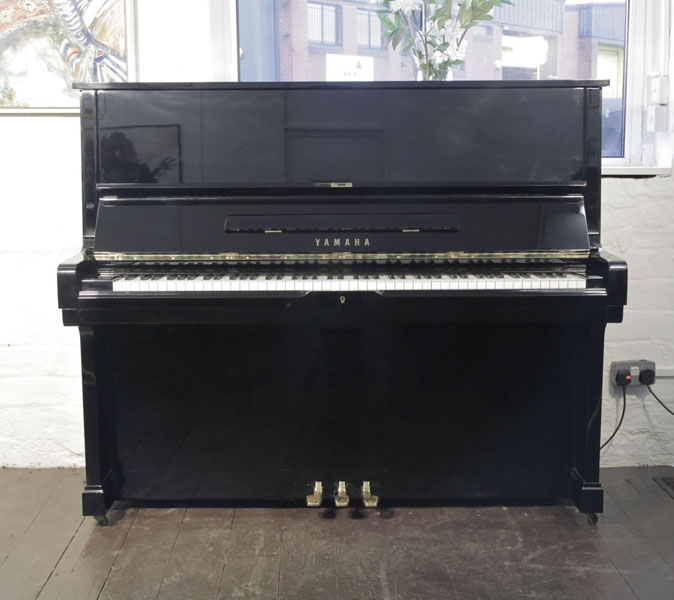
<point>622,416</point>
<point>660,401</point>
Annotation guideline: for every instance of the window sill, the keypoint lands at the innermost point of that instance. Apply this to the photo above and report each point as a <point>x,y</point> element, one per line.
<point>37,112</point>
<point>317,48</point>
<point>376,52</point>
<point>636,171</point>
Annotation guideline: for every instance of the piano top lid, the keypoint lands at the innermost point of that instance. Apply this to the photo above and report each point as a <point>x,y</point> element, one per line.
<point>317,85</point>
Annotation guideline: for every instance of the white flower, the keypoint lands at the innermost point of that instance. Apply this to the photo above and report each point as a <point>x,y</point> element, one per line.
<point>405,5</point>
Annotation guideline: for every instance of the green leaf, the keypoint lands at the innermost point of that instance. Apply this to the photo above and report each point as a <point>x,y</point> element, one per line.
<point>397,37</point>
<point>463,15</point>
<point>385,20</point>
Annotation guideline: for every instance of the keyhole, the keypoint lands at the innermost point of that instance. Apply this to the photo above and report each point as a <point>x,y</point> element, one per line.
<point>342,299</point>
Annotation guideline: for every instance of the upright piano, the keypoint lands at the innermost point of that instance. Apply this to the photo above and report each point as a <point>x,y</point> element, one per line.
<point>327,294</point>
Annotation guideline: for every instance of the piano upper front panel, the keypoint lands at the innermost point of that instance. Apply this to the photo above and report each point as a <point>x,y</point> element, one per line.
<point>290,137</point>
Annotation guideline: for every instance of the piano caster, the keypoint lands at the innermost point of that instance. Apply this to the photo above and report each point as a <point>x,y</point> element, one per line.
<point>592,518</point>
<point>369,499</point>
<point>101,520</point>
<point>341,497</point>
<point>314,500</point>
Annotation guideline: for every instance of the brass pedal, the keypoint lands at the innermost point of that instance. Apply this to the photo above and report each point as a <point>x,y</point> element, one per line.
<point>341,497</point>
<point>314,500</point>
<point>369,499</point>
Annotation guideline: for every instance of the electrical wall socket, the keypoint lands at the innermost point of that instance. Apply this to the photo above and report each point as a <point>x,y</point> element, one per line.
<point>635,367</point>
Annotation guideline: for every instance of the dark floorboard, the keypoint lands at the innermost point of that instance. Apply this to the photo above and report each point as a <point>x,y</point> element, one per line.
<point>48,551</point>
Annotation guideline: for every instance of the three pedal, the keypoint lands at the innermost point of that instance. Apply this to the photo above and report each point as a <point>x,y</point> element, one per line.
<point>341,496</point>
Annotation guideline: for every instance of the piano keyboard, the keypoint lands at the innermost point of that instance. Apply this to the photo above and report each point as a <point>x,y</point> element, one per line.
<point>348,283</point>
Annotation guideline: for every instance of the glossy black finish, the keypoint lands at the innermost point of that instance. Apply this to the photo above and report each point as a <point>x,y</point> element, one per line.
<point>383,136</point>
<point>434,396</point>
<point>360,224</point>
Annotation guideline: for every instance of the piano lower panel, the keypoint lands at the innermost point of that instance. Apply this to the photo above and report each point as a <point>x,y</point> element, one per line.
<point>426,411</point>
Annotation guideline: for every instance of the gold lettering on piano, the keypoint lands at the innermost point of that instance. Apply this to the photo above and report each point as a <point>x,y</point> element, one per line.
<point>341,242</point>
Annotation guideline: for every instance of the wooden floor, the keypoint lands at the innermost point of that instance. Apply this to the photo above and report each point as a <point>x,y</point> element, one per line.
<point>48,551</point>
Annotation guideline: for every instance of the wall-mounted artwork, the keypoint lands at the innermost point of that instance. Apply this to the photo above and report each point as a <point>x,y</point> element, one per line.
<point>46,45</point>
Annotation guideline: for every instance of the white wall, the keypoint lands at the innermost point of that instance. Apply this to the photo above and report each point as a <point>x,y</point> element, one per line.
<point>40,403</point>
<point>638,225</point>
<point>40,200</point>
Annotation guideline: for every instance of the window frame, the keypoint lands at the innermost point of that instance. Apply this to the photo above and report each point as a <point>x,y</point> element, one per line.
<point>383,45</point>
<point>338,25</point>
<point>645,53</point>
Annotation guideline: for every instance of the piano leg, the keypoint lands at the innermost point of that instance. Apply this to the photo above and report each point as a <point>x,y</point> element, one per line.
<point>98,493</point>
<point>588,493</point>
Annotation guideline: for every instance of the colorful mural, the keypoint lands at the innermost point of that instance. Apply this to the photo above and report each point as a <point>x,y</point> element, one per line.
<point>46,45</point>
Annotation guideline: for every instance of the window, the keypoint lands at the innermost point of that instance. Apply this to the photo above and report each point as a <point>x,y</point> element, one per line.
<point>323,20</point>
<point>525,40</point>
<point>370,30</point>
<point>624,41</point>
